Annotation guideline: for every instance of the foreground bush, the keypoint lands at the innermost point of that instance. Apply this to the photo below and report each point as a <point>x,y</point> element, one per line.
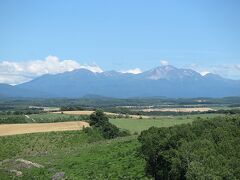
<point>201,150</point>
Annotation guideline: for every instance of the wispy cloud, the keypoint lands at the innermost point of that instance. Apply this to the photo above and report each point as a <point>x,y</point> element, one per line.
<point>19,72</point>
<point>132,71</point>
<point>164,62</point>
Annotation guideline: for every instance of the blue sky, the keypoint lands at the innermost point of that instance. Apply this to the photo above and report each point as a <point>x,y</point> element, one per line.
<point>123,34</point>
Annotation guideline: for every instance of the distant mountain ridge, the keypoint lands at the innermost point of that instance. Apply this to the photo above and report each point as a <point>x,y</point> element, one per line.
<point>167,81</point>
<point>170,72</point>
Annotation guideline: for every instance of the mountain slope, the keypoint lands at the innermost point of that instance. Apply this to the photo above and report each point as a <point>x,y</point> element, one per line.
<point>14,91</point>
<point>170,73</point>
<point>166,81</point>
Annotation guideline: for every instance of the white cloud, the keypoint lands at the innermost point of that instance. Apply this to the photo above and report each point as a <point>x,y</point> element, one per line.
<point>19,72</point>
<point>93,68</point>
<point>13,79</point>
<point>164,63</point>
<point>133,71</point>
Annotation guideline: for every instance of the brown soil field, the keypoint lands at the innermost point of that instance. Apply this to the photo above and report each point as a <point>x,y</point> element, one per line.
<point>180,109</point>
<point>12,129</point>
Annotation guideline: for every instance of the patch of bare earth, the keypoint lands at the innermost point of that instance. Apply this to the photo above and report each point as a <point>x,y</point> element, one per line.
<point>12,129</point>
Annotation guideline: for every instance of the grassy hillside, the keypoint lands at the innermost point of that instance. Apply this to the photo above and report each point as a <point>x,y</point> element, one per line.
<point>75,153</point>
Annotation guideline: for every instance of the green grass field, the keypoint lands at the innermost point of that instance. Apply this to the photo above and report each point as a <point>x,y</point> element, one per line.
<point>138,125</point>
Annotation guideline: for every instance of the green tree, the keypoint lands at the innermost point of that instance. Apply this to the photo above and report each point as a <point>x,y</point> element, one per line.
<point>98,119</point>
<point>100,122</point>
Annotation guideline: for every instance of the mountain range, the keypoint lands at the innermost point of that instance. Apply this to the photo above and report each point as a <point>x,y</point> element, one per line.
<point>167,81</point>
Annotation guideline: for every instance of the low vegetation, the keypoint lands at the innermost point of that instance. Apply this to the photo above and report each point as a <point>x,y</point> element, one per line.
<point>78,154</point>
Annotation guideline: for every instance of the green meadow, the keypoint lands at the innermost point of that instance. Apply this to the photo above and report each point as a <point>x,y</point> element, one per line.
<point>138,125</point>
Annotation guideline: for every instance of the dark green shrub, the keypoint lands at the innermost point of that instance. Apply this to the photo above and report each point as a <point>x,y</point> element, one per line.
<point>99,121</point>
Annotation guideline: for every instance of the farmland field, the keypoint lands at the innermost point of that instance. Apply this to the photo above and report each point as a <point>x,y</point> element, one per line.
<point>12,129</point>
<point>47,122</point>
<point>138,125</point>
<point>57,117</point>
